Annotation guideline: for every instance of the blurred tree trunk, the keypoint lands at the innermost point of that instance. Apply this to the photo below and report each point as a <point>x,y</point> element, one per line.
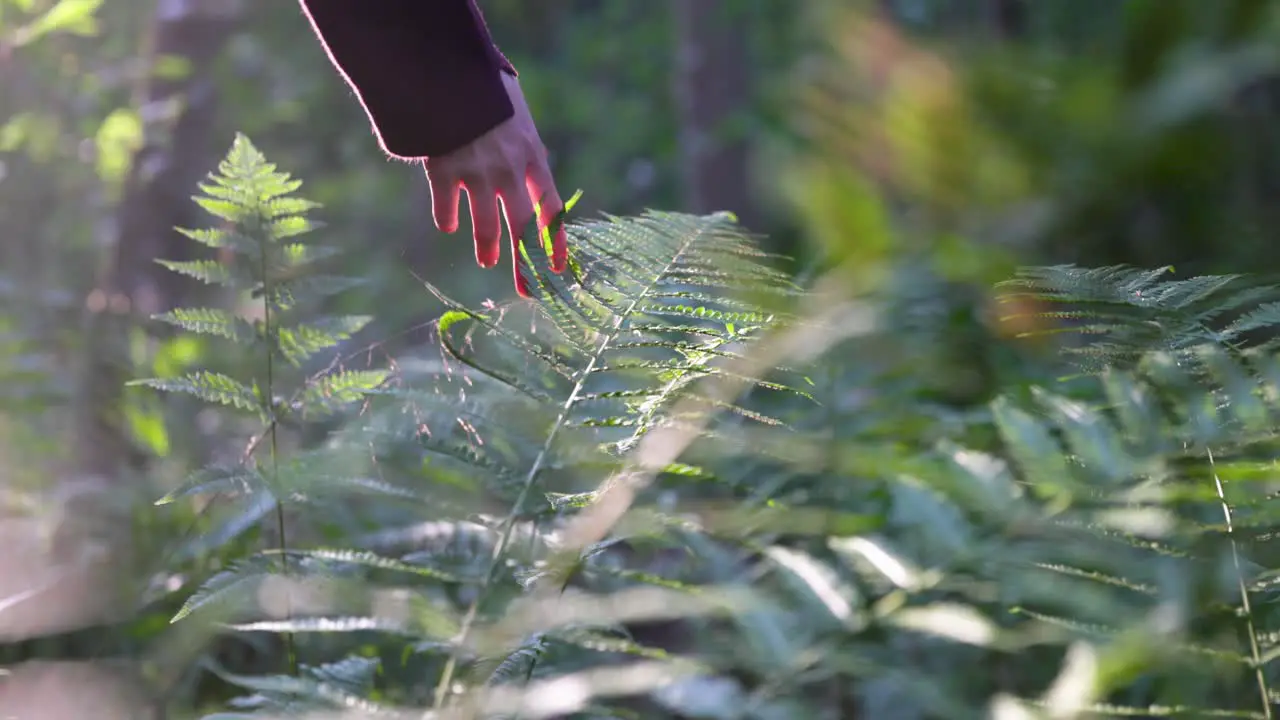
<point>712,87</point>
<point>1007,18</point>
<point>177,110</point>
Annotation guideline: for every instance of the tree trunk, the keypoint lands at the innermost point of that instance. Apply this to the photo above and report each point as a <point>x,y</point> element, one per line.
<point>712,86</point>
<point>178,115</point>
<point>1008,18</point>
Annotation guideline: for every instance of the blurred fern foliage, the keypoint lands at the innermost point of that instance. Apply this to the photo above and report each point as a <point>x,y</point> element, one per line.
<point>790,536</point>
<point>682,483</point>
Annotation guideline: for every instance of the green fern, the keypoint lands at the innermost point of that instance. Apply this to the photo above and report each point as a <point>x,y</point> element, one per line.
<point>798,561</point>
<point>343,684</point>
<point>284,286</point>
<point>1127,312</point>
<point>543,400</point>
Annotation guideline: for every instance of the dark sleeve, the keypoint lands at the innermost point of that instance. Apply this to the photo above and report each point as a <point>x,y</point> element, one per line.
<point>426,71</point>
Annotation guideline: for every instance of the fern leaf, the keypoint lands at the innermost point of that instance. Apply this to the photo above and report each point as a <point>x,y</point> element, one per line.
<point>222,238</point>
<point>336,391</point>
<point>329,625</point>
<point>211,387</point>
<point>303,341</point>
<point>372,560</point>
<point>292,292</point>
<point>333,686</point>
<point>210,321</point>
<point>209,272</point>
<point>279,207</point>
<point>233,588</point>
<point>518,665</point>
<point>216,479</point>
<point>244,517</point>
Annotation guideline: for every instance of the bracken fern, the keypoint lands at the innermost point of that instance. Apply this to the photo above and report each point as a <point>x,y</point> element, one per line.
<point>528,408</point>
<point>797,560</point>
<point>260,225</point>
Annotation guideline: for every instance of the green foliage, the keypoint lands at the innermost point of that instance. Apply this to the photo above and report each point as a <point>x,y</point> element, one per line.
<point>261,223</point>
<point>1131,312</point>
<point>532,404</point>
<point>798,556</point>
<point>76,17</point>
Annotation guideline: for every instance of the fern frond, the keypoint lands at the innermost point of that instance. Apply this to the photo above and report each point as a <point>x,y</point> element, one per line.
<point>1129,312</point>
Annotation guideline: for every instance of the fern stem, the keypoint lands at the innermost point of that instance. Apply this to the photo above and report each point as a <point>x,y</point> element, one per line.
<point>1244,595</point>
<point>508,525</point>
<point>269,392</point>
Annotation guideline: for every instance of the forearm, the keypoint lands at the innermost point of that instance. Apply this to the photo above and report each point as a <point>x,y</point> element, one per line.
<point>426,71</point>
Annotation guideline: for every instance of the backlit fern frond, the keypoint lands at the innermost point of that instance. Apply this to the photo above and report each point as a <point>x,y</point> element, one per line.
<point>654,304</point>
<point>281,285</point>
<point>548,396</point>
<point>770,565</point>
<point>877,562</point>
<point>534,402</point>
<point>345,685</point>
<point>1136,524</point>
<point>1126,312</point>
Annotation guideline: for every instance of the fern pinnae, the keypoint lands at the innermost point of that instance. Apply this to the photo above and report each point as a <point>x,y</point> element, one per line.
<point>210,321</point>
<point>604,344</point>
<point>335,685</point>
<point>456,312</point>
<point>1162,711</point>
<point>217,479</point>
<point>576,320</point>
<point>228,587</point>
<point>1099,577</point>
<point>519,664</point>
<point>375,561</point>
<point>259,221</point>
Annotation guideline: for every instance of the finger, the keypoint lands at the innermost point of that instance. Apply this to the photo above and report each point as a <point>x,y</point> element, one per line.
<point>542,188</point>
<point>519,211</point>
<point>444,200</point>
<point>484,224</point>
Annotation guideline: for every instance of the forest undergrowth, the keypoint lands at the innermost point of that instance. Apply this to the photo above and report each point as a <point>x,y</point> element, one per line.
<point>680,484</point>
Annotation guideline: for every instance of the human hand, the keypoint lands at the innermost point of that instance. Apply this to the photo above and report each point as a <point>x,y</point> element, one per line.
<point>508,163</point>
